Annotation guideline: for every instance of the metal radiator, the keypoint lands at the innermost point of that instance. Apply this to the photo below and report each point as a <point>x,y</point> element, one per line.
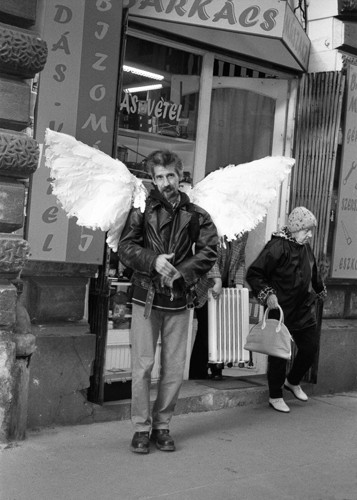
<point>228,326</point>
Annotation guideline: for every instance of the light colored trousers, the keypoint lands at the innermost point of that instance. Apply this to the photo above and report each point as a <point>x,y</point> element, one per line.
<point>144,336</point>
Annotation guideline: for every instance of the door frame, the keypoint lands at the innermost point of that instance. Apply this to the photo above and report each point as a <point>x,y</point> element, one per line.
<point>284,91</point>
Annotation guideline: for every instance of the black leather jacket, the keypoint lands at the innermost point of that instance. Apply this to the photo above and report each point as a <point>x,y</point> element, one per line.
<point>163,230</point>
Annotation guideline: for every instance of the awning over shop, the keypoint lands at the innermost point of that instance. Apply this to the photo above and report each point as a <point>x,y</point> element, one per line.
<point>267,30</point>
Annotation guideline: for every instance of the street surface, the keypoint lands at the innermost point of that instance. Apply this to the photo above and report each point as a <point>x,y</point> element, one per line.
<point>241,453</point>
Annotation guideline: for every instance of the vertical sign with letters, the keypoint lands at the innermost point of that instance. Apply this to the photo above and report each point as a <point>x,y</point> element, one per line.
<point>344,263</point>
<point>77,96</point>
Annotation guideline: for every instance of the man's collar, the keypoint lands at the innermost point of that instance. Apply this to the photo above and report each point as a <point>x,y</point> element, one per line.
<point>182,199</point>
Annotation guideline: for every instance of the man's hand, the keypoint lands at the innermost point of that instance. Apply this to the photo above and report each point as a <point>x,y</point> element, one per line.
<point>272,301</point>
<point>168,272</point>
<point>170,281</point>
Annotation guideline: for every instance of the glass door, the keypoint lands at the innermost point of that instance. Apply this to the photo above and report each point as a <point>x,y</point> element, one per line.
<point>241,120</point>
<point>248,119</point>
<point>251,118</point>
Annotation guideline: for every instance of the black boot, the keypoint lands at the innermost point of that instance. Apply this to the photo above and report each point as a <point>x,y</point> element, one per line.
<point>162,439</point>
<point>140,442</point>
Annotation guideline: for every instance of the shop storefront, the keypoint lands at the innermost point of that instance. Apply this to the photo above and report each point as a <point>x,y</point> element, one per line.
<point>217,84</point>
<point>225,77</point>
<point>211,105</point>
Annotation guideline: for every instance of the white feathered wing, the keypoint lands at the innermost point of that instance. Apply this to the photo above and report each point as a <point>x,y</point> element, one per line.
<point>238,196</point>
<point>92,186</point>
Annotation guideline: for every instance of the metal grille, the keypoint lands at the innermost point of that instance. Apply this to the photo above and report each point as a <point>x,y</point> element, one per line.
<point>316,142</point>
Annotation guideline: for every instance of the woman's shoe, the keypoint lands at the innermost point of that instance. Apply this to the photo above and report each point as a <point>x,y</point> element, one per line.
<point>296,390</point>
<point>216,371</point>
<point>279,405</point>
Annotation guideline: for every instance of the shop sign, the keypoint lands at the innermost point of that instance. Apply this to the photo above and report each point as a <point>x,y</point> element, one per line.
<point>157,108</point>
<point>151,115</point>
<point>295,38</point>
<point>268,18</point>
<point>77,96</point>
<point>243,16</point>
<point>344,263</point>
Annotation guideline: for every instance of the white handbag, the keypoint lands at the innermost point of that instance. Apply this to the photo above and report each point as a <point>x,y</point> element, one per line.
<point>270,336</point>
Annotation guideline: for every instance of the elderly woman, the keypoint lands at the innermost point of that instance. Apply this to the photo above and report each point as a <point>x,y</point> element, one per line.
<point>285,274</point>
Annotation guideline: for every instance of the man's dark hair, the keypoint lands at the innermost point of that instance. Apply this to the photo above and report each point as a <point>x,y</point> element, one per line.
<point>164,158</point>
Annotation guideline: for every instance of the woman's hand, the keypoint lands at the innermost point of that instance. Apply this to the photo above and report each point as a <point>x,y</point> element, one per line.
<point>272,301</point>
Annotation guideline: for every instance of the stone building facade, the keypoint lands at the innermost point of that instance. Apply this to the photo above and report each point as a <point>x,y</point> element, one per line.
<point>22,56</point>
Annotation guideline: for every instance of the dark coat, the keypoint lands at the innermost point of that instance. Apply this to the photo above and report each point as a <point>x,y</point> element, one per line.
<point>163,230</point>
<point>288,269</point>
<point>230,257</point>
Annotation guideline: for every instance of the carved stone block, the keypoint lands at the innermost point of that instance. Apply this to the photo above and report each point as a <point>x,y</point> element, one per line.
<point>21,12</point>
<point>7,360</point>
<point>334,305</point>
<point>14,253</point>
<point>56,299</point>
<point>25,344</point>
<point>21,52</point>
<point>14,104</point>
<point>352,303</point>
<point>61,367</point>
<point>19,155</point>
<point>64,269</point>
<point>8,297</point>
<point>12,202</point>
<point>19,404</point>
<point>337,358</point>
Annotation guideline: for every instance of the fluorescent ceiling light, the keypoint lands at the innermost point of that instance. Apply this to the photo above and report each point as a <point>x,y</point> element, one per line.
<point>132,90</point>
<point>142,72</point>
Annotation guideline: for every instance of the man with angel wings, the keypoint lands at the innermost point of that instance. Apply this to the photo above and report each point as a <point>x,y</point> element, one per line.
<point>158,246</point>
<point>154,235</point>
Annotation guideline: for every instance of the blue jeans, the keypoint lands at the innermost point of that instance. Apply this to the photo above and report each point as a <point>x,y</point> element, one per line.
<point>144,336</point>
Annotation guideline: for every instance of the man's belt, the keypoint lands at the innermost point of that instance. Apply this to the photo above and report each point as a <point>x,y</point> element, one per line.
<point>149,301</point>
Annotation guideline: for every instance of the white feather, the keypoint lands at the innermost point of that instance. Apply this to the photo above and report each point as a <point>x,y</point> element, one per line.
<point>92,186</point>
<point>238,196</point>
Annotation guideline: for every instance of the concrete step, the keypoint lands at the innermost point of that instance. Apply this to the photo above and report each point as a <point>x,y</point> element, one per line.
<point>198,396</point>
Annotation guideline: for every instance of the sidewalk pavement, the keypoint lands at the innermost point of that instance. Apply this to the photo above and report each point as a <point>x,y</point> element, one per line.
<point>241,453</point>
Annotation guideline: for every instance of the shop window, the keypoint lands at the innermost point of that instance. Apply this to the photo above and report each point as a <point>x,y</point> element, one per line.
<point>158,103</point>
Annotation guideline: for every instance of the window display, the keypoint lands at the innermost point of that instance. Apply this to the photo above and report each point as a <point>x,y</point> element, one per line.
<point>158,104</point>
